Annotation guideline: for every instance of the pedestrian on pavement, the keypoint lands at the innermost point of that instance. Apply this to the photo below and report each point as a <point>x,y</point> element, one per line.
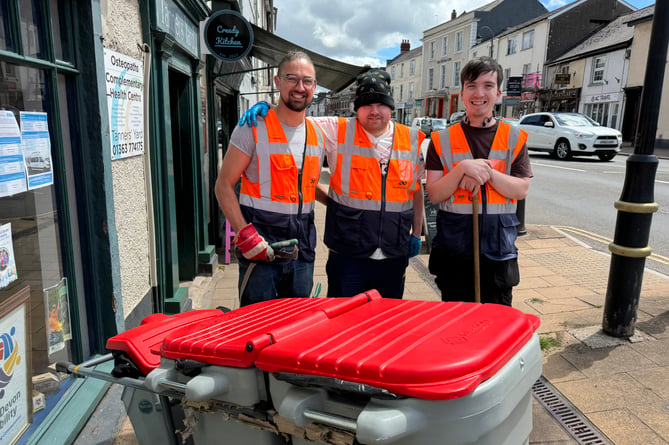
<point>279,164</point>
<point>485,159</point>
<point>374,202</point>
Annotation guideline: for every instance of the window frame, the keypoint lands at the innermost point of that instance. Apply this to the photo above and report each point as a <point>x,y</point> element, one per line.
<point>527,41</point>
<point>511,46</point>
<point>598,70</point>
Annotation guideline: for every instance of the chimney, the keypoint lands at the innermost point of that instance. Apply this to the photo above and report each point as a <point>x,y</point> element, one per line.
<point>453,14</point>
<point>405,46</point>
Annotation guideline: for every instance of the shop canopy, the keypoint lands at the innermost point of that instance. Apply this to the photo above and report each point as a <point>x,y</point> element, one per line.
<point>330,73</point>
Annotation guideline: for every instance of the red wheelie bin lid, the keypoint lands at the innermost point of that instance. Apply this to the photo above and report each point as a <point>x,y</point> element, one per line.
<point>424,349</point>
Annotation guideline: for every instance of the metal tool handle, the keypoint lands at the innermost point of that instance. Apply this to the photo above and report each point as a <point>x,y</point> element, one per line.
<point>477,263</point>
<point>343,423</point>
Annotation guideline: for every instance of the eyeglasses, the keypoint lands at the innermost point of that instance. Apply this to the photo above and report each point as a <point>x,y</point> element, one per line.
<point>292,80</point>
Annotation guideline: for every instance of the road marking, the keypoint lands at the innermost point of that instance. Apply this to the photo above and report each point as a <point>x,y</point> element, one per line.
<point>604,240</point>
<point>662,182</point>
<point>557,166</point>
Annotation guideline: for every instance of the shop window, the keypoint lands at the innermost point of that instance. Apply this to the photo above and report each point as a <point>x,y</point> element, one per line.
<point>61,32</point>
<point>37,223</point>
<point>32,29</point>
<point>614,115</point>
<point>6,41</point>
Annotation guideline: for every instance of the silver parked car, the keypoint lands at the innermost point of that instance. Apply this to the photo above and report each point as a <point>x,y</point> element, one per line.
<point>570,134</point>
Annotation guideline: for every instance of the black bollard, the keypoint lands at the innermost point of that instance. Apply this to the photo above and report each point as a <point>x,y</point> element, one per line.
<point>520,213</point>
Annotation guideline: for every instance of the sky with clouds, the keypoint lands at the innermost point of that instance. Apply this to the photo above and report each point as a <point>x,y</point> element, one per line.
<point>370,31</point>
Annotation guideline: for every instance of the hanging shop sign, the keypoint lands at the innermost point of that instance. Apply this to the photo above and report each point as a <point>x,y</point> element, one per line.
<point>228,36</point>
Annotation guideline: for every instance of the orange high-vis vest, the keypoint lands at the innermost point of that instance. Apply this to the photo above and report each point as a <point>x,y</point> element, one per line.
<point>452,148</point>
<point>369,208</point>
<point>357,178</point>
<point>280,204</point>
<point>278,188</point>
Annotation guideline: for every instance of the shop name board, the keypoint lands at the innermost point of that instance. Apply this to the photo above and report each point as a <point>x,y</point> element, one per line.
<point>514,85</point>
<point>562,78</point>
<point>173,21</point>
<point>570,93</point>
<point>528,95</point>
<point>228,36</point>
<point>610,97</point>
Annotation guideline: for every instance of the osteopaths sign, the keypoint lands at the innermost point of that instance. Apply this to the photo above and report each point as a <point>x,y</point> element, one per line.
<point>228,35</point>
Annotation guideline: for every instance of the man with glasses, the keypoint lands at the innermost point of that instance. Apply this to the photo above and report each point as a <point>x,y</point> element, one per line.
<point>279,164</point>
<point>375,200</point>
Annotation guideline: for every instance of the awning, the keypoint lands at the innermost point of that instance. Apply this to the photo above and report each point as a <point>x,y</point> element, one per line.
<point>330,73</point>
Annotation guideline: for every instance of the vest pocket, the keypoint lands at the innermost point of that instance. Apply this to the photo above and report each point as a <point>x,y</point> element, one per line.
<point>499,235</point>
<point>349,222</point>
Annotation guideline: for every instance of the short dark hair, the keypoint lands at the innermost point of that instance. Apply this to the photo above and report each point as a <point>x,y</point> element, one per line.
<point>293,55</point>
<point>479,65</point>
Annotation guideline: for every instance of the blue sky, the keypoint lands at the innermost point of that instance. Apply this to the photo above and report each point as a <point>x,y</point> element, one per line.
<point>370,31</point>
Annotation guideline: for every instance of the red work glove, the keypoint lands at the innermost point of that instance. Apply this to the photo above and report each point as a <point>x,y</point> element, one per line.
<point>253,246</point>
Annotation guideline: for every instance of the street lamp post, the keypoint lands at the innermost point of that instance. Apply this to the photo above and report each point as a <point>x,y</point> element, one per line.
<point>637,204</point>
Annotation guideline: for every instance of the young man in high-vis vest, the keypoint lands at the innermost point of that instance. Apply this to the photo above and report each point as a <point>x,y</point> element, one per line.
<point>279,164</point>
<point>375,201</point>
<point>485,159</point>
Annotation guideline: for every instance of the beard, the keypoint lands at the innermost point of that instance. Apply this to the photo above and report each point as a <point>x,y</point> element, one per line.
<point>297,105</point>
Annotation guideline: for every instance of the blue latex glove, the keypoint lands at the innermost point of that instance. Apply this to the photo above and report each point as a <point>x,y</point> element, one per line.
<point>416,244</point>
<point>249,117</point>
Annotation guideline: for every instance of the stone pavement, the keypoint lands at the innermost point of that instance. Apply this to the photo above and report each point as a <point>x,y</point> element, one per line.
<point>619,386</point>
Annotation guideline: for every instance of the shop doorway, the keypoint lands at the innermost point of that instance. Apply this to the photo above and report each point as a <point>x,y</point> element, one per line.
<point>182,171</point>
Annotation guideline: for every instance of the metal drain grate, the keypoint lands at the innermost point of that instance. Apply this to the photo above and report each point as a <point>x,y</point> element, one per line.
<point>564,412</point>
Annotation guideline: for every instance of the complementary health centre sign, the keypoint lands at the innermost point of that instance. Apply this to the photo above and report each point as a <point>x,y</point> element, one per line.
<point>124,78</point>
<point>228,36</point>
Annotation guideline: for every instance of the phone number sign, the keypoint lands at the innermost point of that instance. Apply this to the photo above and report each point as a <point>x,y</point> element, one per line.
<point>228,36</point>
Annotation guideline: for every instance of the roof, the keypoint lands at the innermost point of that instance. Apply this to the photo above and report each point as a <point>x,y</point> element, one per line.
<point>550,15</point>
<point>331,74</point>
<point>615,34</point>
<point>405,55</point>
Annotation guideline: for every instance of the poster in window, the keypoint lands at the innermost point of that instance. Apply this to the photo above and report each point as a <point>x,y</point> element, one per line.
<point>36,149</point>
<point>12,169</point>
<point>58,316</point>
<point>15,379</point>
<point>7,259</point>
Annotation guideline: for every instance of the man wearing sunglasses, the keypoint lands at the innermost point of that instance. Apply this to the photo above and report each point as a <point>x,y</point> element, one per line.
<point>375,200</point>
<point>279,164</point>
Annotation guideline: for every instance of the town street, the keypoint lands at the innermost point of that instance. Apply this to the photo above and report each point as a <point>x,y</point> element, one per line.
<point>580,195</point>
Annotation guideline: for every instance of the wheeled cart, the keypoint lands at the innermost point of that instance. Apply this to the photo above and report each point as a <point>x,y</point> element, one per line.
<point>360,370</point>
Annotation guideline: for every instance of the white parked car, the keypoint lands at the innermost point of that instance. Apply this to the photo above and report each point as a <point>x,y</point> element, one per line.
<point>570,134</point>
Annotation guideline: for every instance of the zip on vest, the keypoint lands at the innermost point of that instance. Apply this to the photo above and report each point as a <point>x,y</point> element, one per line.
<point>299,173</point>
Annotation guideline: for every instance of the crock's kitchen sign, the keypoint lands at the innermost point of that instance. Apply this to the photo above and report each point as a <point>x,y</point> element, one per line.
<point>228,35</point>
